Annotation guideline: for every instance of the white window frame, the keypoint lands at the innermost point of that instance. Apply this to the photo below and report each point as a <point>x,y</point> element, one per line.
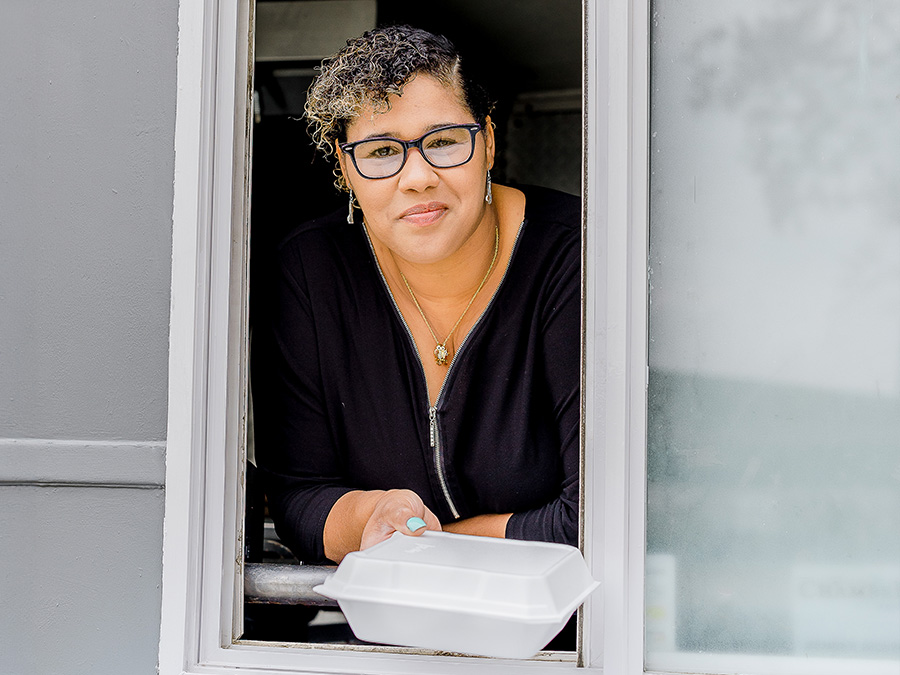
<point>202,567</point>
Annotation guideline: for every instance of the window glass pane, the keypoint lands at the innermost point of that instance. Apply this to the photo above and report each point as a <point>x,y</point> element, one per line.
<point>774,396</point>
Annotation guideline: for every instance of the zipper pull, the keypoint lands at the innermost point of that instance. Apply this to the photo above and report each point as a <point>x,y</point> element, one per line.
<point>432,424</point>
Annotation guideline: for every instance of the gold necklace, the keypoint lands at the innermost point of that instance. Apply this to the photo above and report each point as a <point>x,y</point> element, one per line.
<point>441,353</point>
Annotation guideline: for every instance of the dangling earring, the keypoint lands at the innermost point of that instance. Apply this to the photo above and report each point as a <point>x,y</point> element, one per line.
<point>350,208</point>
<point>489,198</point>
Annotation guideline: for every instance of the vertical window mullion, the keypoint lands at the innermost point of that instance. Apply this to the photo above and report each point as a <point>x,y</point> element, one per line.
<point>616,330</point>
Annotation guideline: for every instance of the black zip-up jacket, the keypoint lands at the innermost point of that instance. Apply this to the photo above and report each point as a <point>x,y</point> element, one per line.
<point>340,400</point>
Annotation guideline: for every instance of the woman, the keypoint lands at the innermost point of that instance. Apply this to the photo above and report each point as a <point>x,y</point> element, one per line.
<point>421,370</point>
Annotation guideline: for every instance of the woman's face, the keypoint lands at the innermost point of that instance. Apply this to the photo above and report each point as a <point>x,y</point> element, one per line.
<point>423,214</point>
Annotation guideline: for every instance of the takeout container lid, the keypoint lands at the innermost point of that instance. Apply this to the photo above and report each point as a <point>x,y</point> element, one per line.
<point>453,592</point>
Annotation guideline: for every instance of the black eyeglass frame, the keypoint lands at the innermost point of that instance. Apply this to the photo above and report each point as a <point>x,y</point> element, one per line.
<point>473,128</point>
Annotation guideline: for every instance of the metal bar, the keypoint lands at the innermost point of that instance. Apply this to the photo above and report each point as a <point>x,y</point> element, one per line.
<point>286,584</point>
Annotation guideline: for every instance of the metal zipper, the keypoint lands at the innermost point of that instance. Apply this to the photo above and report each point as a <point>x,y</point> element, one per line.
<point>433,431</point>
<point>435,436</point>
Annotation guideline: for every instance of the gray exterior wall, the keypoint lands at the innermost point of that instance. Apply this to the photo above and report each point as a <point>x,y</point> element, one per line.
<point>86,171</point>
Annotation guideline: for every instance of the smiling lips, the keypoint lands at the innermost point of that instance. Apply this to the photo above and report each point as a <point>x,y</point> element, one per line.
<point>424,214</point>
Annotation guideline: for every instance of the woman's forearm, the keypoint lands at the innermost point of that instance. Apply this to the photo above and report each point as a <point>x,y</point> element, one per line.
<point>346,522</point>
<point>488,525</point>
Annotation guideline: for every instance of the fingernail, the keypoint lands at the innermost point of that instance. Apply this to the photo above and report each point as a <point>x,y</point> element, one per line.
<point>414,524</point>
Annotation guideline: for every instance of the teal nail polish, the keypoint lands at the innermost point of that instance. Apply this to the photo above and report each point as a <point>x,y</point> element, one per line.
<point>414,524</point>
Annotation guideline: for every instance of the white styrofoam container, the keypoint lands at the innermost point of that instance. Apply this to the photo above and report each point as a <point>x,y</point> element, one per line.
<point>460,593</point>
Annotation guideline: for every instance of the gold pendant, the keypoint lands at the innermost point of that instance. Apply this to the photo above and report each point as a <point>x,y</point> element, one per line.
<point>441,354</point>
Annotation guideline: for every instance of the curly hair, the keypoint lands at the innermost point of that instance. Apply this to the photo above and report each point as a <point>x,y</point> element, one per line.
<point>374,66</point>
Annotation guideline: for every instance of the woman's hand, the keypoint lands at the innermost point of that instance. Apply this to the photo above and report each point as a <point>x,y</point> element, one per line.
<point>363,518</point>
<point>397,511</point>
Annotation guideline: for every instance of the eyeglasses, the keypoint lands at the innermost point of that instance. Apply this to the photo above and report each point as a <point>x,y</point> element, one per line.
<point>384,157</point>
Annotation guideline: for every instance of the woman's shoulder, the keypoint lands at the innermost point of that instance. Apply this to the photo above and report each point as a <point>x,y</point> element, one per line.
<point>547,253</point>
<point>315,253</point>
<point>330,226</point>
<point>545,205</point>
<point>551,233</point>
<point>323,243</point>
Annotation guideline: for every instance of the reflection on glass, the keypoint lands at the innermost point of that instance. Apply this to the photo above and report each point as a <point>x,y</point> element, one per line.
<point>774,401</point>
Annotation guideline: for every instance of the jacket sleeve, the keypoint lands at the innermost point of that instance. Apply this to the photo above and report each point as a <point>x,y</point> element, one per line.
<point>557,521</point>
<point>296,450</point>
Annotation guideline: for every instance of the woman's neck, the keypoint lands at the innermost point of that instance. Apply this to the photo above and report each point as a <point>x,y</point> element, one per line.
<point>453,280</point>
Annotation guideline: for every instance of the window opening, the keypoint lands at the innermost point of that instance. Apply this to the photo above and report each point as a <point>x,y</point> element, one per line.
<point>530,60</point>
